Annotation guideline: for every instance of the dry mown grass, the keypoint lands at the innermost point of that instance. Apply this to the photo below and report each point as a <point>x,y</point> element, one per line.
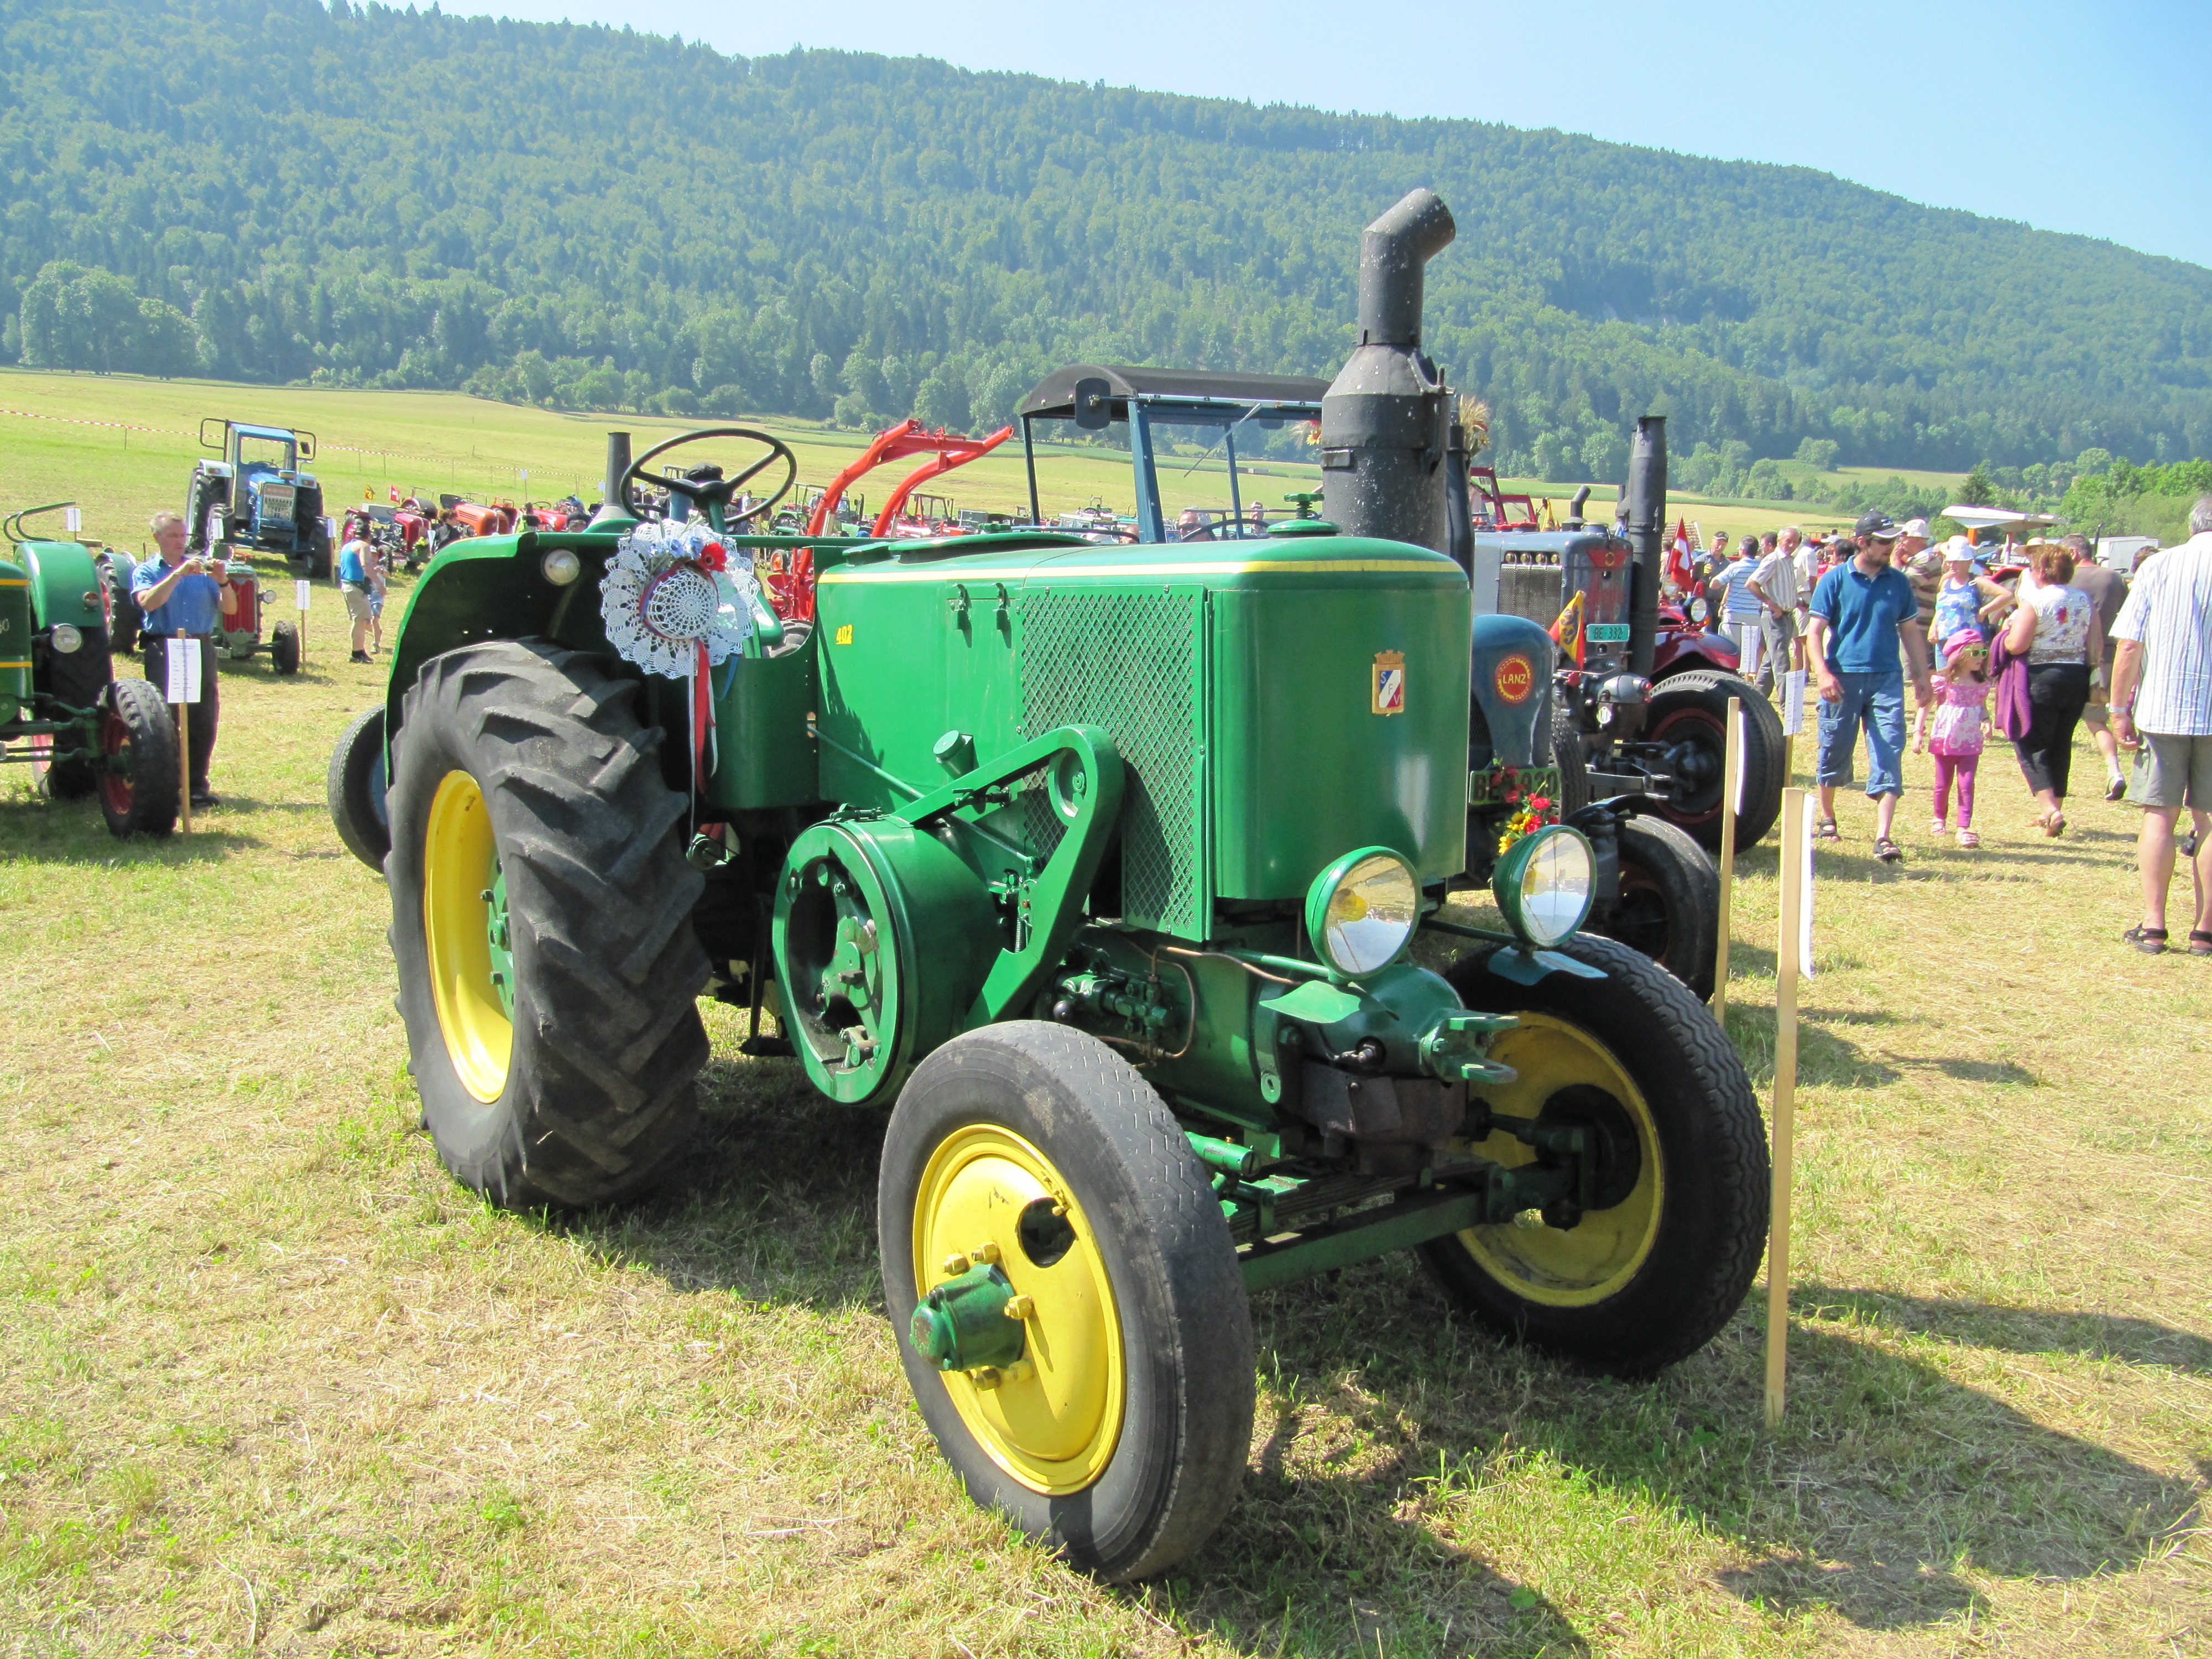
<point>270,1383</point>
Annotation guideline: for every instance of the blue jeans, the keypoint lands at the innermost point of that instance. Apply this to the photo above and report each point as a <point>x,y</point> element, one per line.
<point>1877,702</point>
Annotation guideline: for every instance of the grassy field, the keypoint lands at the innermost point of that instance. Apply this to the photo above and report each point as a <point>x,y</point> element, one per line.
<point>270,1383</point>
<point>123,448</point>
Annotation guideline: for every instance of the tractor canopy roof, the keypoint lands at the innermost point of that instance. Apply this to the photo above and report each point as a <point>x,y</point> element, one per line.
<point>282,435</point>
<point>1195,396</point>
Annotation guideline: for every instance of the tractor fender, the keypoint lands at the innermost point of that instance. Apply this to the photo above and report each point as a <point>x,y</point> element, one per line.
<point>1512,688</point>
<point>495,587</point>
<point>66,586</point>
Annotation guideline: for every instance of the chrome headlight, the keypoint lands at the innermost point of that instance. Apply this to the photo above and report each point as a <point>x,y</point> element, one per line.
<point>1362,910</point>
<point>67,639</point>
<point>1545,882</point>
<point>562,567</point>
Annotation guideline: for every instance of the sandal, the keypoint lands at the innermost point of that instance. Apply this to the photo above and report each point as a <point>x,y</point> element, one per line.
<point>1825,829</point>
<point>1887,850</point>
<point>1968,838</point>
<point>2200,943</point>
<point>2151,941</point>
<point>1937,826</point>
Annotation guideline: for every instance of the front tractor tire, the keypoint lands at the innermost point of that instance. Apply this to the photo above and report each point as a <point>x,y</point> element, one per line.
<point>541,924</point>
<point>1670,902</point>
<point>1688,719</point>
<point>140,791</point>
<point>1664,1258</point>
<point>1032,1178</point>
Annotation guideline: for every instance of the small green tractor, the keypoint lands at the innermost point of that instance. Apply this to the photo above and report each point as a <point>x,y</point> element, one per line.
<point>62,713</point>
<point>1100,871</point>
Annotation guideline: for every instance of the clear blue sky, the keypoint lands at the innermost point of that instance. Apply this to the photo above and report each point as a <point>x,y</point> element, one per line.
<point>2071,116</point>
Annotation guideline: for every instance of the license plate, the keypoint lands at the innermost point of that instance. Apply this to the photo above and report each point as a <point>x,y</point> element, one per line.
<point>1607,633</point>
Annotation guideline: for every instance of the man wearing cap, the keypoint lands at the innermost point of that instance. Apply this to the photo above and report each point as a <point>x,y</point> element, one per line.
<point>2162,707</point>
<point>183,596</point>
<point>1862,611</point>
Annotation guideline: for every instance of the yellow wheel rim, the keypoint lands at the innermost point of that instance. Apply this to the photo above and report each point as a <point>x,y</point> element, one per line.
<point>1575,1266</point>
<point>1053,1422</point>
<point>460,858</point>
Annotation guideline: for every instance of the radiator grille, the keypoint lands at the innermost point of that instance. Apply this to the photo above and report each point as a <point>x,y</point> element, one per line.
<point>1129,663</point>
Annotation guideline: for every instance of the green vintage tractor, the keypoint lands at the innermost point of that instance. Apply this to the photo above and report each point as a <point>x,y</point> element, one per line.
<point>1101,871</point>
<point>62,713</point>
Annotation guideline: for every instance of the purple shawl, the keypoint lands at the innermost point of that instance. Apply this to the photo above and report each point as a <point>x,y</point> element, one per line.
<point>2009,675</point>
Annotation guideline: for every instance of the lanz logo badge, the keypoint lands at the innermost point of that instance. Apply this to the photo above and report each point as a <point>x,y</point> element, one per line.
<point>1387,694</point>
<point>1515,678</point>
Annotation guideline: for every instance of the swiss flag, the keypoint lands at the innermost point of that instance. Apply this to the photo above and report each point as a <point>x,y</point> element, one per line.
<point>1679,570</point>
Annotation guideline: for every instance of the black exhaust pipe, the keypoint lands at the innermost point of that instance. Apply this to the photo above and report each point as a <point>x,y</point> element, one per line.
<point>1384,421</point>
<point>1575,507</point>
<point>1647,536</point>
<point>1459,512</point>
<point>610,502</point>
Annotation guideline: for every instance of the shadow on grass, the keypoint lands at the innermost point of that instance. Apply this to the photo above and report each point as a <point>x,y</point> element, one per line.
<point>1435,1449</point>
<point>777,1200</point>
<point>74,833</point>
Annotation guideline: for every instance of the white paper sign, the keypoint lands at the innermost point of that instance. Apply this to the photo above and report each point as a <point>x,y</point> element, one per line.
<point>183,657</point>
<point>1805,886</point>
<point>74,517</point>
<point>330,529</point>
<point>301,588</point>
<point>1736,742</point>
<point>1793,702</point>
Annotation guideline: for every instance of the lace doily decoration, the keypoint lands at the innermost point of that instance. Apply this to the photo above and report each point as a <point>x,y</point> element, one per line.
<point>673,593</point>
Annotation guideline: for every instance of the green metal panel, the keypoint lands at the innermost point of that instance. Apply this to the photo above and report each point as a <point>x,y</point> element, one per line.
<point>1305,766</point>
<point>915,645</point>
<point>1133,661</point>
<point>15,639</point>
<point>63,575</point>
<point>764,753</point>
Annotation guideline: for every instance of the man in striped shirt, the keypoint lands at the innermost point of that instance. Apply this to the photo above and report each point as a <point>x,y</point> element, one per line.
<point>2162,708</point>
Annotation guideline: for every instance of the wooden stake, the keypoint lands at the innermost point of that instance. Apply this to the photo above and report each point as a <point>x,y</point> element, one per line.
<point>184,762</point>
<point>1789,942</point>
<point>1731,762</point>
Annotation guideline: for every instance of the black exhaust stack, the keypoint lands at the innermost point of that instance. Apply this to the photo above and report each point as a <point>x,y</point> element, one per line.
<point>1384,423</point>
<point>1647,536</point>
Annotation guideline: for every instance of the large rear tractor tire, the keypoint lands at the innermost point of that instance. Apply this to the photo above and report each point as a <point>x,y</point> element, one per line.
<point>1689,718</point>
<point>357,789</point>
<point>541,923</point>
<point>1114,1418</point>
<point>137,782</point>
<point>1669,904</point>
<point>1663,1260</point>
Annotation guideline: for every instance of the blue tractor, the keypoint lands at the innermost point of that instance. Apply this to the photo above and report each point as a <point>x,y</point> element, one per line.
<point>258,497</point>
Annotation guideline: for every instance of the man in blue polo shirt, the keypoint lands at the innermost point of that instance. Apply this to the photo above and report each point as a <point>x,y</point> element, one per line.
<point>181,594</point>
<point>1863,609</point>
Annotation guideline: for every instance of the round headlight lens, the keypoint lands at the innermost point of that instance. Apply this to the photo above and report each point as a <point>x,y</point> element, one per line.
<point>1362,910</point>
<point>562,567</point>
<point>66,638</point>
<point>1545,882</point>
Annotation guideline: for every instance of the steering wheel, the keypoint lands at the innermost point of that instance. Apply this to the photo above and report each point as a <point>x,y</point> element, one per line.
<point>705,487</point>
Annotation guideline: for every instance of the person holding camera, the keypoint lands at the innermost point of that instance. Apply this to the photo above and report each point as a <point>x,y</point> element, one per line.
<point>183,595</point>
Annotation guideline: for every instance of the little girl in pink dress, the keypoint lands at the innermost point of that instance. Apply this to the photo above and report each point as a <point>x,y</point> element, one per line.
<point>1962,715</point>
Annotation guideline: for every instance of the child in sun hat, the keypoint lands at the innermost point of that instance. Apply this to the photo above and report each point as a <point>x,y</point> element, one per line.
<point>1962,717</point>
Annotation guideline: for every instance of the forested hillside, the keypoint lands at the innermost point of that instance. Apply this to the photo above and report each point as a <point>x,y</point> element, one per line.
<point>267,190</point>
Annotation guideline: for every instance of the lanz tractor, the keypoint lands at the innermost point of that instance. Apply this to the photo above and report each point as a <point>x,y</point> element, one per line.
<point>258,497</point>
<point>1100,870</point>
<point>1657,889</point>
<point>62,712</point>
